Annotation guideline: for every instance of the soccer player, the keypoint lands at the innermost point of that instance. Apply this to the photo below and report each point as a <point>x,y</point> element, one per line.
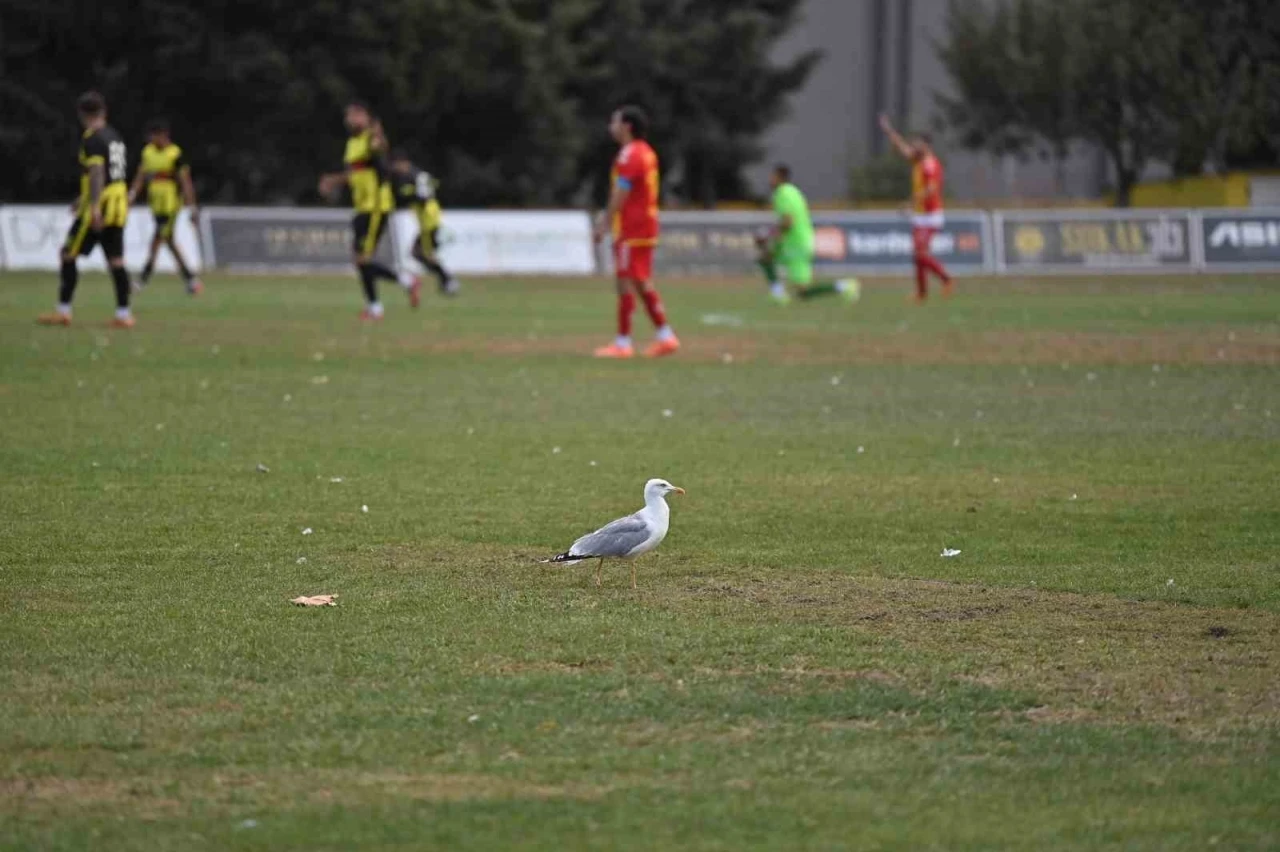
<point>101,211</point>
<point>365,175</point>
<point>163,170</point>
<point>788,246</point>
<point>926,196</point>
<point>416,190</point>
<point>632,214</point>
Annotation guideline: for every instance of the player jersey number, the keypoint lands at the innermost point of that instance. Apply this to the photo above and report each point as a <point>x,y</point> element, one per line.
<point>115,162</point>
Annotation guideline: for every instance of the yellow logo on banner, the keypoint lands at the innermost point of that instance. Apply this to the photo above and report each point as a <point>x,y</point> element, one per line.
<point>1029,240</point>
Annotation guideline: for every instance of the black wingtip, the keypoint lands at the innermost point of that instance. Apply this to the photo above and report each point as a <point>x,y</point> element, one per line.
<point>567,557</point>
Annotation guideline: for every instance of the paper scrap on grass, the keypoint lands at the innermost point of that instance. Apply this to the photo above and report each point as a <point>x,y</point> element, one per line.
<point>947,552</point>
<point>307,531</point>
<point>722,319</point>
<point>315,600</point>
<point>262,468</point>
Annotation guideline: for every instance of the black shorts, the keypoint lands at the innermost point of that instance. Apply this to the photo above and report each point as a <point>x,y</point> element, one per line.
<point>82,239</point>
<point>164,225</point>
<point>368,228</point>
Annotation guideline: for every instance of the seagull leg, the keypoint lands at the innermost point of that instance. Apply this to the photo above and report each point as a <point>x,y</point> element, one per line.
<point>633,574</point>
<point>599,563</point>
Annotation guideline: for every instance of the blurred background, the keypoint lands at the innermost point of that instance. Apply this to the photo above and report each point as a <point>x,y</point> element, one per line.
<point>1032,102</point>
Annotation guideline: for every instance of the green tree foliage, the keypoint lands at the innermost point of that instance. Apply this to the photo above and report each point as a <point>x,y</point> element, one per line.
<point>1181,81</point>
<point>506,100</point>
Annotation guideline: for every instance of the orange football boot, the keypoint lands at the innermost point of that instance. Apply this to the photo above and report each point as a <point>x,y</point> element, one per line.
<point>54,318</point>
<point>613,350</point>
<point>122,322</point>
<point>659,348</point>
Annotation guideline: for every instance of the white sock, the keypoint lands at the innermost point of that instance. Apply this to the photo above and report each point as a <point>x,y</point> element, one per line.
<point>64,310</point>
<point>407,279</point>
<point>121,313</point>
<point>778,288</point>
<point>664,333</point>
<point>375,309</point>
<point>622,341</point>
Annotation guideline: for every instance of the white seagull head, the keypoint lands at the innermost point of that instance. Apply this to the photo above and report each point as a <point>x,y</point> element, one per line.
<point>656,489</point>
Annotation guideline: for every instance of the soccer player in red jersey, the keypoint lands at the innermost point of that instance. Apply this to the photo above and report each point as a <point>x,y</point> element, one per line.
<point>926,196</point>
<point>633,216</point>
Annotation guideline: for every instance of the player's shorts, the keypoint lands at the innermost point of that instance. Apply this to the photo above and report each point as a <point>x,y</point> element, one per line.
<point>796,260</point>
<point>82,239</point>
<point>632,262</point>
<point>164,224</point>
<point>368,229</point>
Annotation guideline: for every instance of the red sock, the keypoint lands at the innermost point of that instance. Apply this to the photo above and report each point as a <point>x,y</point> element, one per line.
<point>931,263</point>
<point>653,304</point>
<point>626,307</point>
<point>922,278</point>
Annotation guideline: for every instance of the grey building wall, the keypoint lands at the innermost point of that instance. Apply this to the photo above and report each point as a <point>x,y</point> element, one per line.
<point>880,54</point>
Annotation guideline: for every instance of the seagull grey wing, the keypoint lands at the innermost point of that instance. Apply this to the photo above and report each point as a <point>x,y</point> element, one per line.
<point>613,540</point>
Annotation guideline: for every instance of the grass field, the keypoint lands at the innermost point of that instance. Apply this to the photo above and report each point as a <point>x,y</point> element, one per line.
<point>800,669</point>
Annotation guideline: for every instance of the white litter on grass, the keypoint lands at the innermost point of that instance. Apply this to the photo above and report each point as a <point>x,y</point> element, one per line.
<point>307,531</point>
<point>721,319</point>
<point>364,509</point>
<point>995,479</point>
<point>249,823</point>
<point>288,397</point>
<point>726,358</point>
<point>835,380</point>
<point>1169,582</point>
<point>1075,496</point>
<point>471,430</point>
<point>262,468</point>
<point>1155,368</point>
<point>861,449</point>
<point>319,380</point>
<point>1093,377</point>
<point>204,384</point>
<point>667,412</point>
<point>335,479</point>
<point>473,718</point>
<point>956,441</point>
<point>79,383</point>
<point>159,427</point>
<point>319,356</point>
<point>95,464</point>
<point>592,463</point>
<point>302,560</point>
<point>1239,406</point>
<point>555,451</point>
<point>947,552</point>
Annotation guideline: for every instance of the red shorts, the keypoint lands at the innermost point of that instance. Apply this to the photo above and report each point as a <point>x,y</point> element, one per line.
<point>632,262</point>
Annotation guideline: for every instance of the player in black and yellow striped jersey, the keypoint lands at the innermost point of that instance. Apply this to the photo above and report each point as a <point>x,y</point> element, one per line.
<point>167,177</point>
<point>415,190</point>
<point>102,210</point>
<point>366,176</point>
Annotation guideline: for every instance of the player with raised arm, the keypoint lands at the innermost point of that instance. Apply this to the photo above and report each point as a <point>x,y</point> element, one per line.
<point>632,216</point>
<point>786,249</point>
<point>163,171</point>
<point>365,175</point>
<point>926,196</point>
<point>415,190</point>
<point>101,211</point>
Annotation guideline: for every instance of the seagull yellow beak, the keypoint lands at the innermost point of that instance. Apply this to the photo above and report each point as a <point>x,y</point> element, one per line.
<point>677,489</point>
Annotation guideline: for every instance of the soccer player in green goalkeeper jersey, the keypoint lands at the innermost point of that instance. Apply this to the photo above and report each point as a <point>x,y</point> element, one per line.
<point>786,249</point>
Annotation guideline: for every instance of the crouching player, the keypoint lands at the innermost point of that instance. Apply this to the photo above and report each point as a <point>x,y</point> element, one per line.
<point>415,190</point>
<point>786,249</point>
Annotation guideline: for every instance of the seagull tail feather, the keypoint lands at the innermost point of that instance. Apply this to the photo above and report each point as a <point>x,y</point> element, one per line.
<point>567,556</point>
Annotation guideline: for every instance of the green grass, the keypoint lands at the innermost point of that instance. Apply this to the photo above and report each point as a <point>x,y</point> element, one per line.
<point>799,668</point>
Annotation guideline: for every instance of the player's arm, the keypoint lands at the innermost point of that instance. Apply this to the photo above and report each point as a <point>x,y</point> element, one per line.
<point>331,182</point>
<point>189,190</point>
<point>617,195</point>
<point>904,147</point>
<point>138,180</point>
<point>95,149</point>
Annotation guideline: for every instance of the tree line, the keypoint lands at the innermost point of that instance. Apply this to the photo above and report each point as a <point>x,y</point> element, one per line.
<point>506,101</point>
<point>1191,83</point>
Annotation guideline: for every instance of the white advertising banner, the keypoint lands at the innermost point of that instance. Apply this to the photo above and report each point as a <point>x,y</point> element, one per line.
<point>32,237</point>
<point>532,242</point>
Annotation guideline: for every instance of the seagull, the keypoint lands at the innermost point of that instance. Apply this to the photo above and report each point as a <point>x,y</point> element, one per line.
<point>629,537</point>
